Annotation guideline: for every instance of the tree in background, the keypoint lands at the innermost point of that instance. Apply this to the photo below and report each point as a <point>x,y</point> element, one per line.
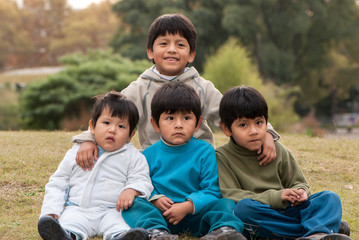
<point>46,104</point>
<point>13,38</point>
<point>43,20</point>
<point>40,31</point>
<point>89,28</point>
<point>231,66</point>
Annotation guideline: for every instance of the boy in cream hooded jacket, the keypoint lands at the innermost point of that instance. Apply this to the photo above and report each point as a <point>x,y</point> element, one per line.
<point>171,45</point>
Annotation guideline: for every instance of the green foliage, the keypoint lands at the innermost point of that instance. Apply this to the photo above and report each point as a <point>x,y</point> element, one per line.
<point>9,107</point>
<point>45,103</point>
<point>231,66</point>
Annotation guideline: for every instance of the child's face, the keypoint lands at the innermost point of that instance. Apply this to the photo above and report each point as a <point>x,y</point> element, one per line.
<point>248,133</point>
<point>171,54</point>
<point>111,133</point>
<point>176,128</point>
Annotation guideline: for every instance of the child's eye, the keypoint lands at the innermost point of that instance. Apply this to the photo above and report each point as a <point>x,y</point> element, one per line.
<point>187,118</point>
<point>121,126</point>
<point>163,43</point>
<point>242,125</point>
<point>170,118</point>
<point>259,122</point>
<point>106,122</point>
<point>181,45</point>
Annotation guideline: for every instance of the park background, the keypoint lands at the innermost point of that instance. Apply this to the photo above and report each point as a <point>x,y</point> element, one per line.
<point>302,55</point>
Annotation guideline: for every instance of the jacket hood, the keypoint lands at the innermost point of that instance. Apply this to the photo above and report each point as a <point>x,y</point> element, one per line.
<point>150,75</point>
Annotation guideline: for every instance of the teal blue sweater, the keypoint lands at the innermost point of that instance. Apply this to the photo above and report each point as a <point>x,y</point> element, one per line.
<point>184,172</point>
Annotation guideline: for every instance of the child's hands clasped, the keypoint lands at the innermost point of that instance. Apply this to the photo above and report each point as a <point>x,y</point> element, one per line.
<point>268,152</point>
<point>163,203</point>
<point>126,198</point>
<point>178,211</point>
<point>85,155</point>
<point>173,212</point>
<point>294,196</point>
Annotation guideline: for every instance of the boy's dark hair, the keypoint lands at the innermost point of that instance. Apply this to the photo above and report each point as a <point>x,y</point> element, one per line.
<point>172,24</point>
<point>118,105</point>
<point>175,97</point>
<point>242,101</point>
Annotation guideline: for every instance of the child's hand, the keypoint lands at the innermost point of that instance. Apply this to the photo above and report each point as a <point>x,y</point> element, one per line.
<point>125,200</point>
<point>163,203</point>
<point>303,197</point>
<point>178,211</point>
<point>85,155</point>
<point>294,196</point>
<point>268,154</point>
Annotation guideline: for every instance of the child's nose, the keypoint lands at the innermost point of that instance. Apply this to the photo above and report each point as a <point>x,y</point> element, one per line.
<point>112,128</point>
<point>171,47</point>
<point>178,123</point>
<point>253,130</point>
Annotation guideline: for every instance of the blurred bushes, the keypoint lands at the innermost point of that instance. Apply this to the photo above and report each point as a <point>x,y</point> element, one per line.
<point>231,66</point>
<point>44,104</point>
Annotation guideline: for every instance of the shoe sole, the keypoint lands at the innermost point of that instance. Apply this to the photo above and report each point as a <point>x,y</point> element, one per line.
<point>165,237</point>
<point>336,236</point>
<point>50,229</point>
<point>231,236</point>
<point>135,234</point>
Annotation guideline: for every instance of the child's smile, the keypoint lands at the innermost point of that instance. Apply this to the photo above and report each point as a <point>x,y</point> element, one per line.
<point>171,54</point>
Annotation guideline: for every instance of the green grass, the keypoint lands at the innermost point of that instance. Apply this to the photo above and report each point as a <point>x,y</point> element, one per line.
<point>28,158</point>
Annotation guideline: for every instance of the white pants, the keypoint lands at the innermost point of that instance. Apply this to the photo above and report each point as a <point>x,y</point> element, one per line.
<point>91,222</point>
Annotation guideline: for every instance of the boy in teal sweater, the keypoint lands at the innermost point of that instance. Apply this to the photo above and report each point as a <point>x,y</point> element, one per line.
<point>274,200</point>
<point>186,196</point>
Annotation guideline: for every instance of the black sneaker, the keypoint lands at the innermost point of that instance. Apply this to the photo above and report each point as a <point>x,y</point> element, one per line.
<point>344,228</point>
<point>133,234</point>
<point>223,233</point>
<point>50,229</point>
<point>160,234</point>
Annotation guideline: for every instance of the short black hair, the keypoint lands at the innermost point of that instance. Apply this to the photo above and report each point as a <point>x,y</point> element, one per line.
<point>242,101</point>
<point>172,24</point>
<point>118,105</point>
<point>175,97</point>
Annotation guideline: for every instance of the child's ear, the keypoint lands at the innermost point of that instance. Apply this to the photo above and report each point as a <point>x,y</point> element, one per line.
<point>92,128</point>
<point>132,134</point>
<point>225,130</point>
<point>150,54</point>
<point>198,124</point>
<point>191,57</point>
<point>155,126</point>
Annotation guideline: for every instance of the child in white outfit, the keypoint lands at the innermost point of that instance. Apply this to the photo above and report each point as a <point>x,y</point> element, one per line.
<point>80,204</point>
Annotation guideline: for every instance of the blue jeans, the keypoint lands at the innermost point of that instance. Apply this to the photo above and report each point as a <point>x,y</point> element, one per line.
<point>322,212</point>
<point>145,215</point>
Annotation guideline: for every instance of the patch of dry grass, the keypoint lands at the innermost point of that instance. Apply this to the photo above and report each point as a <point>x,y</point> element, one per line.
<point>28,158</point>
<point>21,78</point>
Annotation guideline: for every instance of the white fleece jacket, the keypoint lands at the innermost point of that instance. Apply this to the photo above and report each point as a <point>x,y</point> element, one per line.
<point>113,172</point>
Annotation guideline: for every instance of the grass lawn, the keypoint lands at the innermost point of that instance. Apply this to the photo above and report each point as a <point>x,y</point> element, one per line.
<point>28,158</point>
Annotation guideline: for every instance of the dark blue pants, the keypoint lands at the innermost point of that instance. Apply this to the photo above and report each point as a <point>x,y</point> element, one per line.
<point>145,215</point>
<point>321,213</point>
